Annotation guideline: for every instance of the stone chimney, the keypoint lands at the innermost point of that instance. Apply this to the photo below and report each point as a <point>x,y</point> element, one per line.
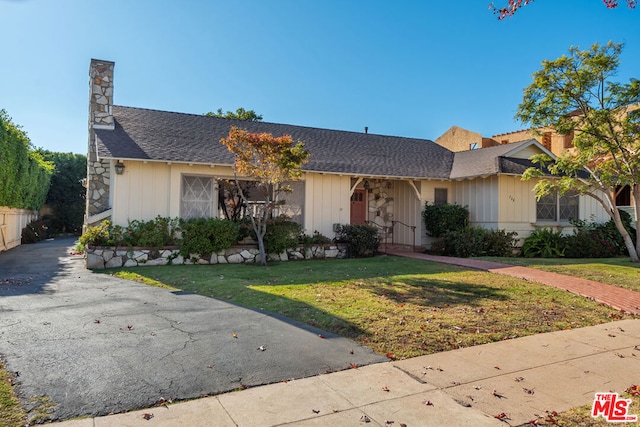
<point>100,117</point>
<point>101,94</point>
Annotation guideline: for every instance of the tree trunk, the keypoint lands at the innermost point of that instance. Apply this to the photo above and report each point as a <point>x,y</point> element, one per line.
<point>263,255</point>
<point>628,242</point>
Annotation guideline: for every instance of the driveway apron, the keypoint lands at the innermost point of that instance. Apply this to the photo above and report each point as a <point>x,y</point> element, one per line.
<point>82,343</point>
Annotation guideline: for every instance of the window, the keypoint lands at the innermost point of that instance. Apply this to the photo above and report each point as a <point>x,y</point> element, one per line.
<point>554,208</point>
<point>546,140</point>
<point>473,146</point>
<point>293,202</point>
<point>197,199</point>
<point>440,196</point>
<point>567,140</point>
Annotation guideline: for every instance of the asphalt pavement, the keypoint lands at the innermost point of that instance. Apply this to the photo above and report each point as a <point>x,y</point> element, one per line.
<point>88,344</point>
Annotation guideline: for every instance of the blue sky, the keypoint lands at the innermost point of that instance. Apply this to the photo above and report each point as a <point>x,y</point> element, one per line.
<point>409,68</point>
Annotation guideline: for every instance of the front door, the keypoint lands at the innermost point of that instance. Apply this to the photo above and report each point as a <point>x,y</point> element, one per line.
<point>358,207</point>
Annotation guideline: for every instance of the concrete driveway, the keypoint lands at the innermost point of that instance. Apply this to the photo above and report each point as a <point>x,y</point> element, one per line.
<point>84,343</point>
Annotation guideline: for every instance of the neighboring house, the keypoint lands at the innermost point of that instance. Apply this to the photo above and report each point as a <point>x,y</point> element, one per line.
<point>144,163</point>
<point>459,139</point>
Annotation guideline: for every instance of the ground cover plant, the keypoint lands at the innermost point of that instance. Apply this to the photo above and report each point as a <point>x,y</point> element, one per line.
<point>11,413</point>
<point>613,271</point>
<point>399,307</point>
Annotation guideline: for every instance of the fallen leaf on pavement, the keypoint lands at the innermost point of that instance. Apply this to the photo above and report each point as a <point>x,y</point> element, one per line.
<point>147,415</point>
<point>498,395</point>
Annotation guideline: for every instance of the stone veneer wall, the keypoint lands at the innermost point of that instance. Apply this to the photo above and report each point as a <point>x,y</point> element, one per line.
<point>100,257</point>
<point>380,202</point>
<point>100,117</point>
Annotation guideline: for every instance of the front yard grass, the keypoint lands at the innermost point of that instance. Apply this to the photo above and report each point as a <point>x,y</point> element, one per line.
<point>397,306</point>
<point>613,271</point>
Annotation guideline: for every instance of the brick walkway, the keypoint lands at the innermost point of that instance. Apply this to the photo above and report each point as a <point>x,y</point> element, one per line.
<point>613,296</point>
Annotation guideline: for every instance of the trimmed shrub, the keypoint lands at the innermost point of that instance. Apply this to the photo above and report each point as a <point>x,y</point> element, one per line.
<point>316,239</point>
<point>544,243</point>
<point>440,219</point>
<point>588,244</point>
<point>99,235</point>
<point>361,240</point>
<point>281,235</point>
<point>34,232</point>
<point>155,233</point>
<point>204,236</point>
<point>475,241</point>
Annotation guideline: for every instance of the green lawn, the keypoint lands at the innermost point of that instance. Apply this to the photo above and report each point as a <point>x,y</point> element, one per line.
<point>397,306</point>
<point>614,271</point>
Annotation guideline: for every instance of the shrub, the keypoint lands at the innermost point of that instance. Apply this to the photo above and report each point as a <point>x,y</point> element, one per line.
<point>35,231</point>
<point>316,239</point>
<point>588,244</point>
<point>545,243</point>
<point>99,235</point>
<point>361,240</point>
<point>475,241</point>
<point>204,236</point>
<point>440,219</point>
<point>155,233</point>
<point>282,234</point>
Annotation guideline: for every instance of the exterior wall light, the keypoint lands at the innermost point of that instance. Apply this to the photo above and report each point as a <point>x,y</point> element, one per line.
<point>119,168</point>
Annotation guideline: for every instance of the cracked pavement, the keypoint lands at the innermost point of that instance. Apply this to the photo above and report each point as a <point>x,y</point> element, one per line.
<point>92,344</point>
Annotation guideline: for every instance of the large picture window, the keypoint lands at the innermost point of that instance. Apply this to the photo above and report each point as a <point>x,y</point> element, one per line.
<point>293,202</point>
<point>557,208</point>
<point>197,199</point>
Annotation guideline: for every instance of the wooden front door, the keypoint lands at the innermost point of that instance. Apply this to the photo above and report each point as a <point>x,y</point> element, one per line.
<point>358,207</point>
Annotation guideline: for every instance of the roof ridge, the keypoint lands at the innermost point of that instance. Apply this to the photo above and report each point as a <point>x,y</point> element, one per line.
<point>280,124</point>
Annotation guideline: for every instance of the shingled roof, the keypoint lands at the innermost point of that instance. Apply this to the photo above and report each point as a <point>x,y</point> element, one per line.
<point>490,161</point>
<point>153,135</point>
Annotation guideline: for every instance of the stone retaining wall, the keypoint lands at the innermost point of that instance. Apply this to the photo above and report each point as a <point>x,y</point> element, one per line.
<point>100,257</point>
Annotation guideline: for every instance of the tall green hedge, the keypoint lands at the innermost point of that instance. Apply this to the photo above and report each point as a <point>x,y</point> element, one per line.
<point>24,175</point>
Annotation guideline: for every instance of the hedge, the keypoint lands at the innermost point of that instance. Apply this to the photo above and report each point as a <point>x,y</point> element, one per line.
<point>24,175</point>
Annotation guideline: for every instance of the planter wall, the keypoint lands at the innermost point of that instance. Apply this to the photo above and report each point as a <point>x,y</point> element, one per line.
<point>100,257</point>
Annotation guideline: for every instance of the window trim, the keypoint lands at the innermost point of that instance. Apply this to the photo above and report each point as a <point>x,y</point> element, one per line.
<point>559,202</point>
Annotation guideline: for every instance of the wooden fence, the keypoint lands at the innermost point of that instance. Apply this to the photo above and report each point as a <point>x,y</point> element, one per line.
<point>12,221</point>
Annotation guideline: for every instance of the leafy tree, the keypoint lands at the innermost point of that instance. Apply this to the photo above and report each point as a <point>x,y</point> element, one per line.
<point>269,161</point>
<point>513,5</point>
<point>24,174</point>
<point>239,114</point>
<point>575,94</point>
<point>66,195</point>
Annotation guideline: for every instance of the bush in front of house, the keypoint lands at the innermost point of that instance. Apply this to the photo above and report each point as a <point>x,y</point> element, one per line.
<point>361,240</point>
<point>282,234</point>
<point>475,241</point>
<point>544,242</point>
<point>204,236</point>
<point>440,219</point>
<point>154,233</point>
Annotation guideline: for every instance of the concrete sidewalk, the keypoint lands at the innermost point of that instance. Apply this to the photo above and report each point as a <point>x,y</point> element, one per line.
<point>522,378</point>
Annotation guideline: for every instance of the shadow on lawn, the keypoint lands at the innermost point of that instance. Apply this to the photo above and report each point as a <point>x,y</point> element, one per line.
<point>436,293</point>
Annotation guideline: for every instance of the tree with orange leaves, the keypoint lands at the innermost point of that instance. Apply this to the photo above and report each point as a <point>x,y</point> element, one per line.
<point>271,162</point>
